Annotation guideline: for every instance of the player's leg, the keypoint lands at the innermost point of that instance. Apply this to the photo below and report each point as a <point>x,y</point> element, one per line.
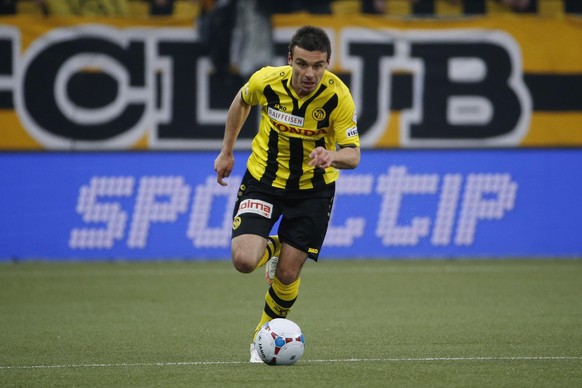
<point>250,251</point>
<point>302,231</point>
<point>253,217</point>
<point>247,251</point>
<point>282,294</point>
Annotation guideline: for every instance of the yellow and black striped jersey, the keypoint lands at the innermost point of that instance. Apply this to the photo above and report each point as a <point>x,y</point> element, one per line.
<point>291,127</point>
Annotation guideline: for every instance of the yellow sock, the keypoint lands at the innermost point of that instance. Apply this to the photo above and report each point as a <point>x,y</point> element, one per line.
<point>278,301</point>
<point>273,249</point>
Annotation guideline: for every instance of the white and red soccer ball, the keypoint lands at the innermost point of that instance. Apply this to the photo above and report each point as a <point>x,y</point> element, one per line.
<point>280,342</point>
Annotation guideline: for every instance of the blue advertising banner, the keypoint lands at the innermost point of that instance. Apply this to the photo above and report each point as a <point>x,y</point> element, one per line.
<point>396,204</point>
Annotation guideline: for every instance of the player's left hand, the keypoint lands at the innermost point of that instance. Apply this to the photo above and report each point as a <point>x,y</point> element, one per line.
<point>320,157</point>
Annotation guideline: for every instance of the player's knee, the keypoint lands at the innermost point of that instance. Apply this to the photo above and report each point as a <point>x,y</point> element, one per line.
<point>243,264</point>
<point>287,276</point>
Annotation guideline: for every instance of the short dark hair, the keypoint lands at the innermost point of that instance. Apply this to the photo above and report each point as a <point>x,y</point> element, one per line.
<point>311,38</point>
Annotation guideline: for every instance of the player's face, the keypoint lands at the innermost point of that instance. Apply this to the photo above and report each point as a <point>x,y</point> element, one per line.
<point>308,69</point>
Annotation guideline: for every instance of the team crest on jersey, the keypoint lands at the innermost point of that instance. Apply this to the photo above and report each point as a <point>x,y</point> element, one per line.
<point>318,114</point>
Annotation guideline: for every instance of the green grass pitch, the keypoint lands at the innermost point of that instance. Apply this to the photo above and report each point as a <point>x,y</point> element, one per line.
<point>462,323</point>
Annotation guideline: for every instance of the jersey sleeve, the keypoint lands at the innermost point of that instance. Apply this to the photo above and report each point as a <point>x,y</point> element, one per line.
<point>251,92</point>
<point>346,123</point>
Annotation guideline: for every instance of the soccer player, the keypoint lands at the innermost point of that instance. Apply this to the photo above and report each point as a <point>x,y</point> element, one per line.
<point>308,131</point>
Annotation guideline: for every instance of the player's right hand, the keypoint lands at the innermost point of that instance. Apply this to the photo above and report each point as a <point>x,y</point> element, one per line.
<point>223,165</point>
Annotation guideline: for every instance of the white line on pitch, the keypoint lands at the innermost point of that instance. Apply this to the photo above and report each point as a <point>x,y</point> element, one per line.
<point>194,363</point>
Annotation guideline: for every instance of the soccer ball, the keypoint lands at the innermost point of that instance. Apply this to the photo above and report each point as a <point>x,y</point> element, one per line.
<point>280,342</point>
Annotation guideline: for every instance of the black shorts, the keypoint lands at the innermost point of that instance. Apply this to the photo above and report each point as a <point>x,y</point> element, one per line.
<point>304,213</point>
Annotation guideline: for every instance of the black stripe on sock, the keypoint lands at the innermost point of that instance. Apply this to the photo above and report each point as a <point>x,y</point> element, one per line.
<point>272,252</point>
<point>283,303</point>
<point>271,313</point>
<point>269,250</point>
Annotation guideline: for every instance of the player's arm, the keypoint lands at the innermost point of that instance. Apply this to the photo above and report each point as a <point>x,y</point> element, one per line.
<point>236,117</point>
<point>344,158</point>
<point>345,125</point>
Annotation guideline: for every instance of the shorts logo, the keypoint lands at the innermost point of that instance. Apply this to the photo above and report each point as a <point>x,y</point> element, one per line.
<point>318,114</point>
<point>313,250</point>
<point>256,206</point>
<point>236,223</point>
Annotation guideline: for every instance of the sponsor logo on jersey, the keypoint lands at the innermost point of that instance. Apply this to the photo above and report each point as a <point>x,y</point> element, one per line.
<point>300,131</point>
<point>285,117</point>
<point>352,132</point>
